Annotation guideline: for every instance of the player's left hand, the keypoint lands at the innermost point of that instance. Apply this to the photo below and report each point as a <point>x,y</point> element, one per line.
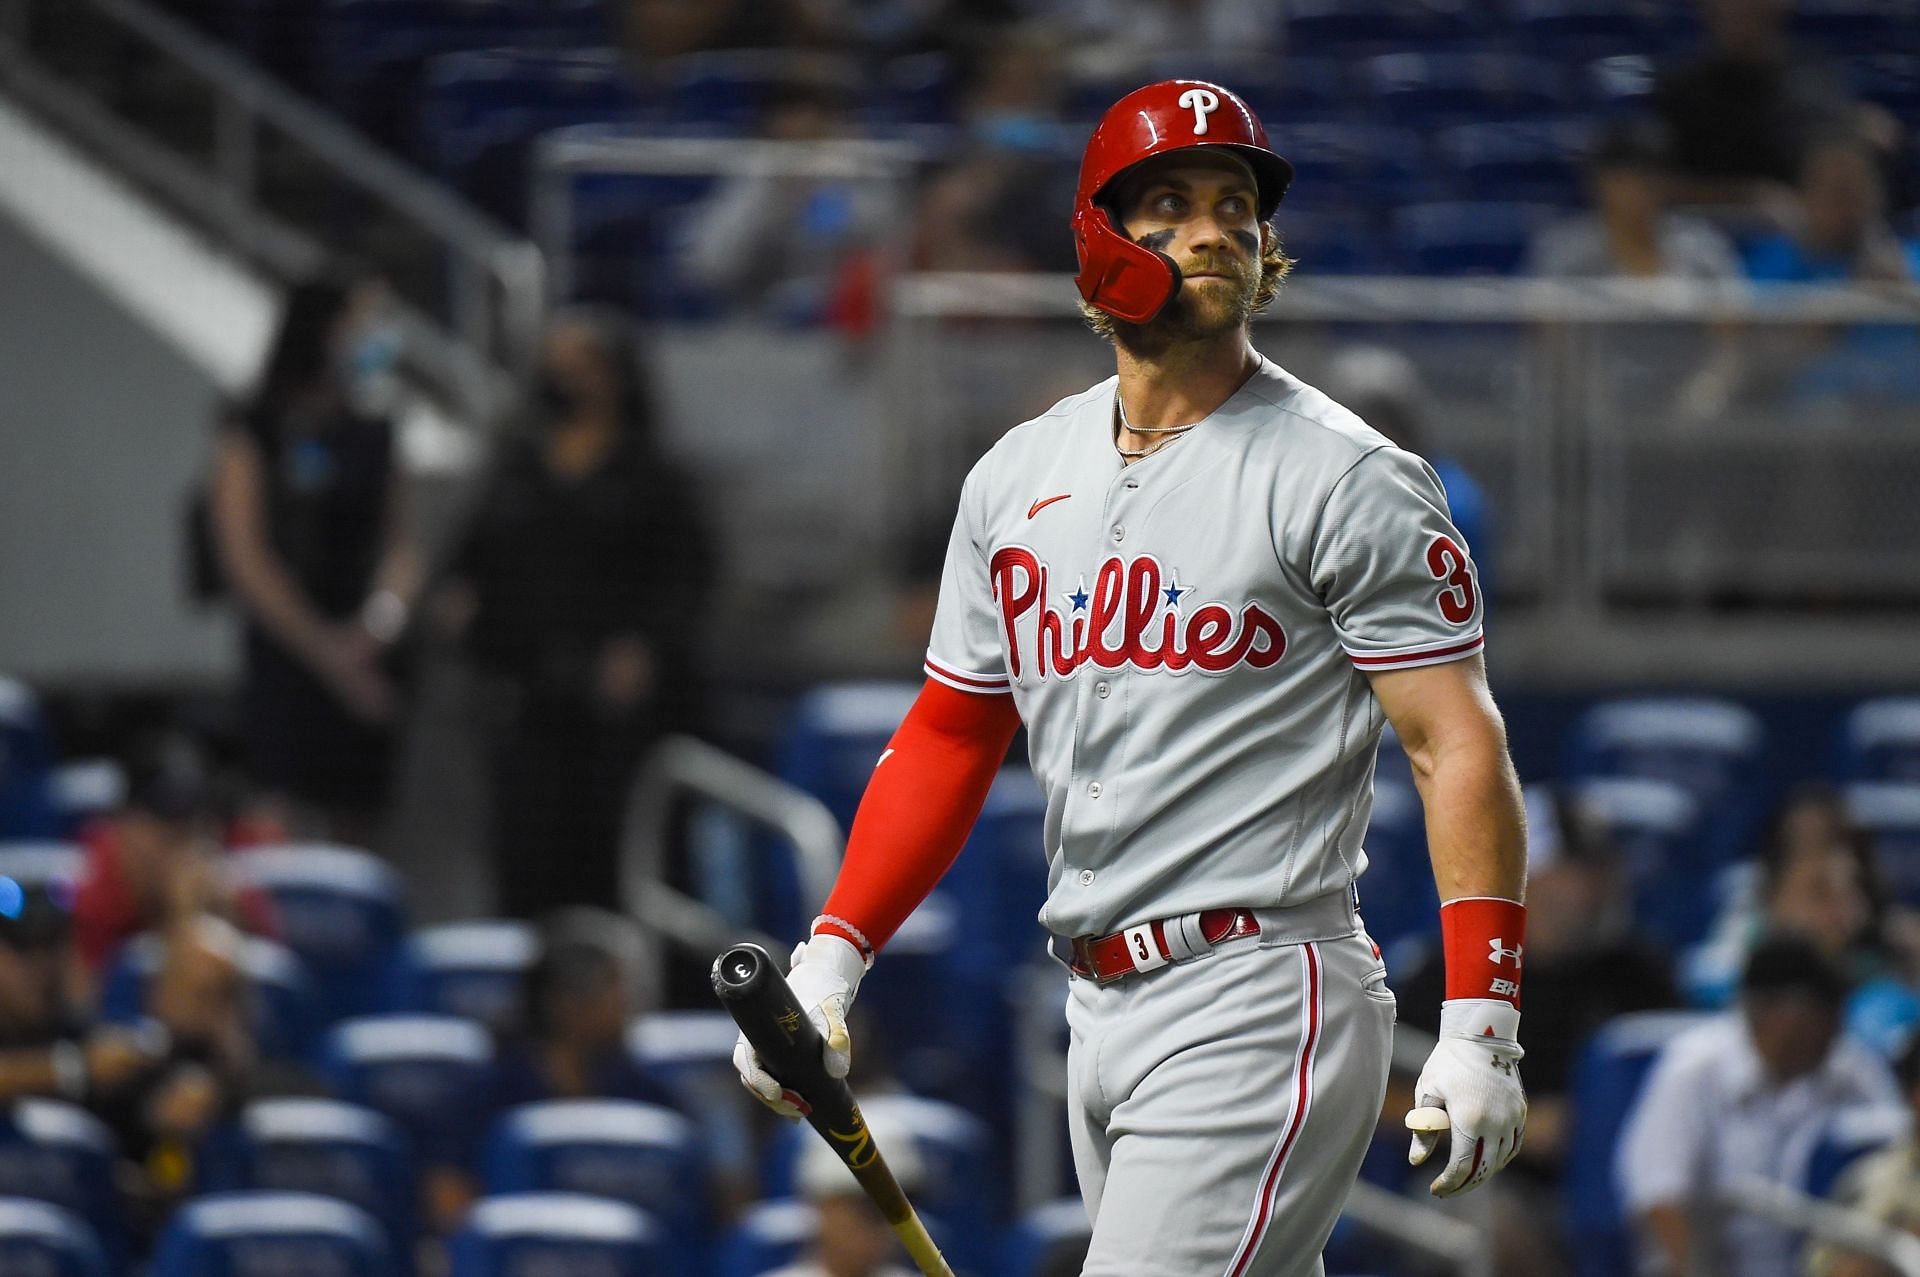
<point>1474,1076</point>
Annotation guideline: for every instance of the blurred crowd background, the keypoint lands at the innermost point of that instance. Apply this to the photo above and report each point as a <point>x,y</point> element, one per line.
<point>473,479</point>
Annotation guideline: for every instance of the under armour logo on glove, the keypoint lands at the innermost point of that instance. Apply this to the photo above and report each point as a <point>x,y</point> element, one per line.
<point>1204,103</point>
<point>1498,953</point>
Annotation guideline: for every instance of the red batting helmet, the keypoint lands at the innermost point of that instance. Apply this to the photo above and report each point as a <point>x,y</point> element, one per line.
<point>1125,279</point>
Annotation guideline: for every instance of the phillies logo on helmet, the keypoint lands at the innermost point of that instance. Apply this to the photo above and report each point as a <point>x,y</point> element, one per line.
<point>1136,615</point>
<point>1204,103</point>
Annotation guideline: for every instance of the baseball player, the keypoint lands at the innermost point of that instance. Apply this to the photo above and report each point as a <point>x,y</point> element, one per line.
<point>1204,587</point>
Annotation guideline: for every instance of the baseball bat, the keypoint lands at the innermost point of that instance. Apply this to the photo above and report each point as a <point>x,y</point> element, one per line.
<point>760,1001</point>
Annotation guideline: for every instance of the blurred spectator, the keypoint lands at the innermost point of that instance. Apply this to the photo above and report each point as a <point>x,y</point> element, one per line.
<point>1384,388</point>
<point>1631,232</point>
<point>854,1240</point>
<point>796,249</point>
<point>1884,1185</point>
<point>1584,966</point>
<point>578,588</point>
<point>998,206</point>
<point>1842,232</point>
<point>310,525</point>
<point>46,1044</point>
<point>1726,1101</point>
<point>156,860</point>
<point>199,1003</point>
<point>1743,110</point>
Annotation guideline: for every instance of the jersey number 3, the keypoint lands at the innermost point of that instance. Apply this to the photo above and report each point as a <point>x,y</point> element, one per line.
<point>1448,562</point>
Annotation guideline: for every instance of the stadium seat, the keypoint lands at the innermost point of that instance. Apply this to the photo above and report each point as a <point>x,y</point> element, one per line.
<point>39,1240</point>
<point>916,88</point>
<point>1039,1236</point>
<point>625,228</point>
<point>1888,812</point>
<point>1657,826</point>
<point>1467,238</point>
<point>1623,84</point>
<point>1355,27</point>
<point>56,866</point>
<point>959,1188</point>
<point>470,969</point>
<point>1367,164</point>
<point>1335,241</point>
<point>1535,161</point>
<point>1880,740</point>
<point>557,1235</point>
<point>640,1154</point>
<point>1891,80</point>
<point>286,1020</point>
<point>1594,28</point>
<point>340,910</point>
<point>1397,899</point>
<point>26,759</point>
<point>1712,748</point>
<point>834,736</point>
<point>253,1234</point>
<point>1422,90</point>
<point>999,881</point>
<point>691,1054</point>
<point>1856,25</point>
<point>424,1072</point>
<point>1606,1081</point>
<point>324,1147</point>
<point>730,87</point>
<point>1849,1135</point>
<point>59,1153</point>
<point>85,790</point>
<point>770,1235</point>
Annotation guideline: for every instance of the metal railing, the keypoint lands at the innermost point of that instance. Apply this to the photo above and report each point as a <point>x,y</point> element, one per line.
<point>1822,1221</point>
<point>479,291</point>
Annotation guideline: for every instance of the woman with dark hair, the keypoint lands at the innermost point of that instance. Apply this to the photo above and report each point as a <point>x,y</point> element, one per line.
<point>577,589</point>
<point>308,520</point>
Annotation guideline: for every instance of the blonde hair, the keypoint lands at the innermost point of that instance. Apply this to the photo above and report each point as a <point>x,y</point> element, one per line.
<point>1275,266</point>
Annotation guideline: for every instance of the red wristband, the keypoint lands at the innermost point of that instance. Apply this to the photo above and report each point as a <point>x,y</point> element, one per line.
<point>1483,937</point>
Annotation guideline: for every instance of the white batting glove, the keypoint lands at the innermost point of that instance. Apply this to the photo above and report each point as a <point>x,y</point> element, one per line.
<point>1474,1075</point>
<point>824,976</point>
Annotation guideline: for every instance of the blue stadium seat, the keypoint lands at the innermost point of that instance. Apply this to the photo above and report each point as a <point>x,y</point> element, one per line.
<point>325,1147</point>
<point>834,736</point>
<point>1622,85</point>
<point>1422,90</point>
<point>640,1154</point>
<point>691,1054</point>
<point>730,87</point>
<point>959,1186</point>
<point>1606,1081</point>
<point>1283,92</point>
<point>1353,27</point>
<point>56,866</point>
<point>59,1153</point>
<point>1335,241</point>
<point>26,760</point>
<point>1860,26</point>
<point>84,791</point>
<point>39,1240</point>
<point>1536,161</point>
<point>1467,238</point>
<point>1397,898</point>
<point>1880,740</point>
<point>771,1235</point>
<point>1891,80</point>
<point>257,1234</point>
<point>341,910</point>
<point>1850,1135</point>
<point>1043,1233</point>
<point>1360,164</point>
<point>286,1019</point>
<point>1657,826</point>
<point>1000,880</point>
<point>916,88</point>
<point>1595,28</point>
<point>425,1072</point>
<point>1888,812</point>
<point>1712,748</point>
<point>472,969</point>
<point>557,1235</point>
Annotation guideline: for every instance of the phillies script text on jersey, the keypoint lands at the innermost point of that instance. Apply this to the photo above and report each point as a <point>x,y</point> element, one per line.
<point>1133,617</point>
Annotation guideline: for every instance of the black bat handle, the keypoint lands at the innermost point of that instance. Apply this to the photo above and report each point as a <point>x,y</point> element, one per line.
<point>750,986</point>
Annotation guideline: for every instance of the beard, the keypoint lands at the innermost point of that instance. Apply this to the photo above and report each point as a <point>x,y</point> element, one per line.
<point>1202,309</point>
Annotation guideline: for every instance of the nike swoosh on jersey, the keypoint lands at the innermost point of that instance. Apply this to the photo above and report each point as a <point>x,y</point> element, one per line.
<point>1044,502</point>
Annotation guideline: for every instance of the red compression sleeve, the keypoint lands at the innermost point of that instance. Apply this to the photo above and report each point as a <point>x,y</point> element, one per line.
<point>926,792</point>
<point>1484,941</point>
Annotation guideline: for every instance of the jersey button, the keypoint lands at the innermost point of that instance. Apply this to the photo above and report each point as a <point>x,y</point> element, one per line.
<point>1086,877</point>
<point>1119,532</point>
<point>1102,690</point>
<point>1093,790</point>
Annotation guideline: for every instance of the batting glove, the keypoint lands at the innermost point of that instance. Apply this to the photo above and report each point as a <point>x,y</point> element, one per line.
<point>824,976</point>
<point>1474,1075</point>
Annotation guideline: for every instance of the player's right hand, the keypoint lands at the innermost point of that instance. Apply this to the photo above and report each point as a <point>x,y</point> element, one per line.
<point>824,977</point>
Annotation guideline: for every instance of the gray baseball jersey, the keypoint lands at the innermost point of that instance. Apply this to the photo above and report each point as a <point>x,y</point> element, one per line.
<point>1185,639</point>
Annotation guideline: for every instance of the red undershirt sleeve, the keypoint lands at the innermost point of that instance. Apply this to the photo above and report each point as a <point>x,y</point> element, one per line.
<point>919,807</point>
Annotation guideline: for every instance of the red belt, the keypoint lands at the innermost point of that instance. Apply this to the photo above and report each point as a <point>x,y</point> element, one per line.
<point>1144,948</point>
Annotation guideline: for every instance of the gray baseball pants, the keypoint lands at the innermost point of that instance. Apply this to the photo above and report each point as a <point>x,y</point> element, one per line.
<point>1219,1108</point>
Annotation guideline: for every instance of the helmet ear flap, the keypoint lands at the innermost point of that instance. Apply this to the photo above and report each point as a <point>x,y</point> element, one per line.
<point>1127,280</point>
